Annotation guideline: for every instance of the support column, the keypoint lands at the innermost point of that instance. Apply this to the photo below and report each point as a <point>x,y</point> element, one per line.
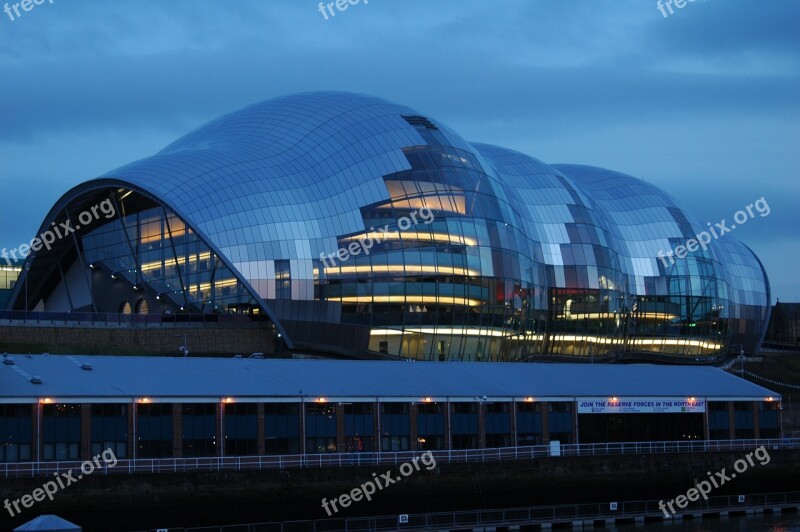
<point>301,423</point>
<point>545,424</point>
<point>448,436</point>
<point>514,437</point>
<point>86,432</point>
<point>260,431</point>
<point>36,437</point>
<point>731,422</point>
<point>756,421</point>
<point>413,432</point>
<point>133,444</point>
<point>706,430</point>
<point>575,432</point>
<point>40,437</point>
<point>376,427</point>
<point>340,448</point>
<point>481,425</point>
<point>177,430</point>
<point>220,419</point>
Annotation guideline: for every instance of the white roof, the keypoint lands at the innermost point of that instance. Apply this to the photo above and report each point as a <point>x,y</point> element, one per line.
<point>131,377</point>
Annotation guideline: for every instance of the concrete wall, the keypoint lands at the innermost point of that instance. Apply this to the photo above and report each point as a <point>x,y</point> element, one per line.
<point>205,340</point>
<point>147,501</point>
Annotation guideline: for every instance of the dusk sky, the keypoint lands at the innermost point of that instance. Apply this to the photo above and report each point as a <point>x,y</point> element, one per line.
<point>704,103</point>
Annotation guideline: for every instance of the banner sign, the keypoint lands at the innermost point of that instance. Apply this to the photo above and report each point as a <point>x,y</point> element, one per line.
<point>640,405</point>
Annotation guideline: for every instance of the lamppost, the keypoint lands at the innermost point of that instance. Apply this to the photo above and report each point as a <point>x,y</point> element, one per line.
<point>741,359</point>
<point>27,271</point>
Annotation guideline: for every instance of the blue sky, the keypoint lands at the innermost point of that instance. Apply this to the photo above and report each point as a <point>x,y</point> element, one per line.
<point>704,103</point>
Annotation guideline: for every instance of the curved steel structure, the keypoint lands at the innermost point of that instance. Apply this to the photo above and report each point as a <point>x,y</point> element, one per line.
<point>358,225</point>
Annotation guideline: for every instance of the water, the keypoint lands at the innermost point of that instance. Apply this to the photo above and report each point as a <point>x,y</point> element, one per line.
<point>774,523</point>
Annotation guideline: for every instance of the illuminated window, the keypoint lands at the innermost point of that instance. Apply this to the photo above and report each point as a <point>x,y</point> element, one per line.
<point>142,307</point>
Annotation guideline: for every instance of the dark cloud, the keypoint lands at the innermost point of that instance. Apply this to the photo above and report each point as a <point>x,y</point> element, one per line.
<point>726,28</point>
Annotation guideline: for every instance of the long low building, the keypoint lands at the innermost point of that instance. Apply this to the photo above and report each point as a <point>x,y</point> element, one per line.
<point>59,407</point>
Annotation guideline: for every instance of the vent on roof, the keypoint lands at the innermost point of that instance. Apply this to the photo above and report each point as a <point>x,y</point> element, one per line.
<point>416,120</point>
<point>83,365</point>
<point>36,379</point>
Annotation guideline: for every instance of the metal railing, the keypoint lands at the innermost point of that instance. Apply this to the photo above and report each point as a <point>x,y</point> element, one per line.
<point>291,461</point>
<point>514,516</point>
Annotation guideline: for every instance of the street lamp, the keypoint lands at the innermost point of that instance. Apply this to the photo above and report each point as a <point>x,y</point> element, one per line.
<point>27,271</point>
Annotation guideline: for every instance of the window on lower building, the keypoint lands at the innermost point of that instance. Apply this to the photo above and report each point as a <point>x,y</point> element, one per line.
<point>61,427</point>
<point>199,429</point>
<point>282,428</point>
<point>395,427</point>
<point>359,428</point>
<point>241,429</point>
<point>718,421</point>
<point>16,433</point>
<point>110,429</point>
<point>154,430</point>
<point>769,419</point>
<point>430,426</point>
<point>320,428</point>
<point>744,420</point>
<point>464,425</point>
<point>529,423</point>
<point>498,425</point>
<point>560,422</point>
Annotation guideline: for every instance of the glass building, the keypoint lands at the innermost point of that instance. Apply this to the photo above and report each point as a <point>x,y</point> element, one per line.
<point>9,273</point>
<point>361,227</point>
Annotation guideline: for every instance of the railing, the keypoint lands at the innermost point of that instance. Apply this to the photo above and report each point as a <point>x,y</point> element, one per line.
<point>292,461</point>
<point>515,516</point>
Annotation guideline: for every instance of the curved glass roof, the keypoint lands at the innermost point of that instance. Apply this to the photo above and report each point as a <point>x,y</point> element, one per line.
<point>506,258</point>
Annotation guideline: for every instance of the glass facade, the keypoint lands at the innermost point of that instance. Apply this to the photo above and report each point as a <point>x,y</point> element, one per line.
<point>718,421</point>
<point>241,429</point>
<point>199,429</point>
<point>71,431</point>
<point>10,270</point>
<point>358,225</point>
<point>529,423</point>
<point>769,420</point>
<point>16,433</point>
<point>155,434</point>
<point>464,425</point>
<point>498,425</point>
<point>560,422</point>
<point>61,429</point>
<point>744,423</point>
<point>110,429</point>
<point>282,428</point>
<point>430,426</point>
<point>395,427</point>
<point>359,428</point>
<point>321,428</point>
